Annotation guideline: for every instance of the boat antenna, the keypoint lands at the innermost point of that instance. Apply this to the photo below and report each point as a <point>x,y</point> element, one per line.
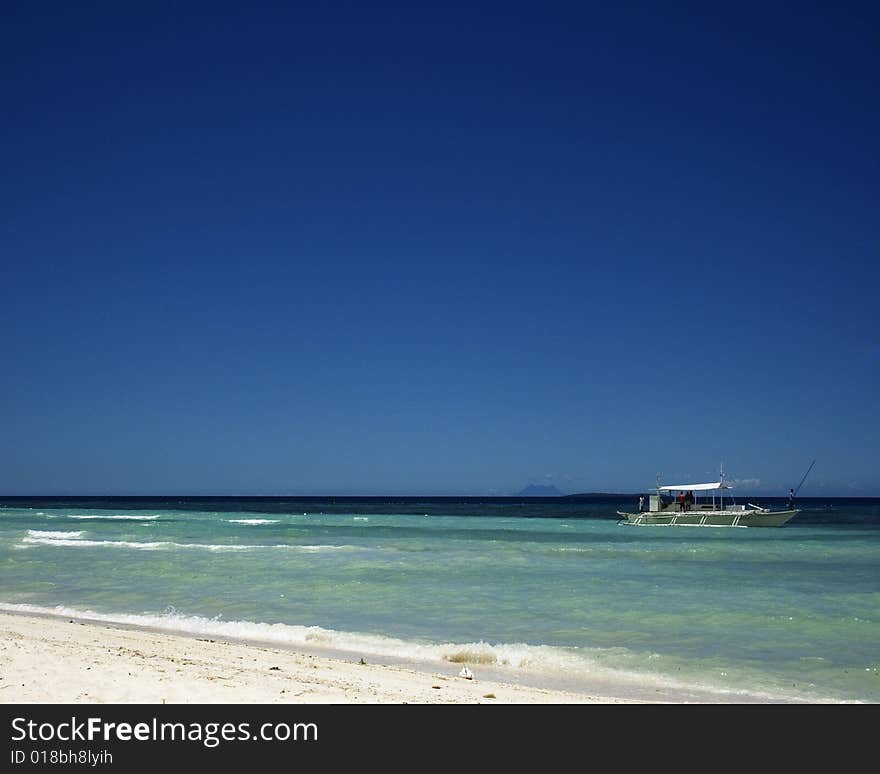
<point>805,477</point>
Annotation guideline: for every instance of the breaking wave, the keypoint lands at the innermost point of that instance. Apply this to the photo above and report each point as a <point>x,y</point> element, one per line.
<point>575,668</point>
<point>72,540</point>
<point>114,517</point>
<point>253,521</point>
<point>53,535</point>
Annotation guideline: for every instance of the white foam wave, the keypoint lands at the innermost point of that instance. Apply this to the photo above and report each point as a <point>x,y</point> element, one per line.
<point>114,517</point>
<point>316,548</point>
<point>52,535</point>
<point>47,541</point>
<point>56,539</point>
<point>517,656</point>
<point>563,667</point>
<point>253,521</point>
<point>513,656</point>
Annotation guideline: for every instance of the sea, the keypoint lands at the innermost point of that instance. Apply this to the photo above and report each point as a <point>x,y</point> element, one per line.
<point>551,592</point>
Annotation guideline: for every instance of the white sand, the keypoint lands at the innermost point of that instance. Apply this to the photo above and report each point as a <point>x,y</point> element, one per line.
<point>52,660</point>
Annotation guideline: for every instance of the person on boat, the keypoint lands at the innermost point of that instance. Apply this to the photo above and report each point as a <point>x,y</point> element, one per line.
<point>681,501</point>
<point>641,503</point>
<point>791,499</point>
<point>689,501</point>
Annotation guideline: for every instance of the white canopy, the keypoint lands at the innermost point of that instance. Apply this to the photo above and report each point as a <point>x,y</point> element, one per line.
<point>695,487</point>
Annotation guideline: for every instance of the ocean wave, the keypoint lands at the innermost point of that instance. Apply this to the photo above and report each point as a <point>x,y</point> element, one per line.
<point>71,539</point>
<point>315,548</point>
<point>53,535</point>
<point>571,668</point>
<point>253,521</point>
<point>517,655</point>
<point>155,546</point>
<point>114,517</point>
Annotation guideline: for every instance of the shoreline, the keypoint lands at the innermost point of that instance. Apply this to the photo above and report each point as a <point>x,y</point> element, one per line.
<point>55,659</point>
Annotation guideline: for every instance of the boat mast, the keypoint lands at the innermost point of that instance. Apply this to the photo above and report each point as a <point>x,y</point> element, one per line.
<point>804,478</point>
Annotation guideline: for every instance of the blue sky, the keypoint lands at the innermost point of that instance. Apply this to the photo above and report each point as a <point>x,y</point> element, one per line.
<point>345,248</point>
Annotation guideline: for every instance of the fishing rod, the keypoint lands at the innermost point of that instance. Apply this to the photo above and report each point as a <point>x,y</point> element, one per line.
<point>805,477</point>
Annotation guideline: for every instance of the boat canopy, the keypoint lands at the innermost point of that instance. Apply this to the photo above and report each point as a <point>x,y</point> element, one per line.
<point>695,487</point>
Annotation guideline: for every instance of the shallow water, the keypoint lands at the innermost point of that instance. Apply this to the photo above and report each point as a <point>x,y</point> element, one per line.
<point>552,592</point>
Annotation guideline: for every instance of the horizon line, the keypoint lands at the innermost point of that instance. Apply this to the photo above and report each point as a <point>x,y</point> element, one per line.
<point>560,496</point>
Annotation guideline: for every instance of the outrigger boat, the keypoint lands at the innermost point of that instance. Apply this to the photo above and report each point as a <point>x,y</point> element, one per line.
<point>704,508</point>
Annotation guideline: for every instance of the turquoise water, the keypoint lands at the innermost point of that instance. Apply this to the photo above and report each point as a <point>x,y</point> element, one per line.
<point>549,592</point>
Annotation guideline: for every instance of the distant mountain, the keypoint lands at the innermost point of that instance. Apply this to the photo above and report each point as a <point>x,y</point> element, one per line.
<point>539,490</point>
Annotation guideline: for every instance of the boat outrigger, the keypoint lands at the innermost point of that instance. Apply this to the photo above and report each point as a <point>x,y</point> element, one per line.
<point>702,505</point>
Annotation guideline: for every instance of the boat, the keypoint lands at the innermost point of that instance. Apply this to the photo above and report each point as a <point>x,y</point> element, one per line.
<point>704,506</point>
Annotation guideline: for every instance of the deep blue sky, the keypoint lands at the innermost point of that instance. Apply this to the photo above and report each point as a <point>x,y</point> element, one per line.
<point>345,248</point>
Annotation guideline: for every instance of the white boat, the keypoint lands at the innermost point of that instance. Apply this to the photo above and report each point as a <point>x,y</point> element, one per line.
<point>706,507</point>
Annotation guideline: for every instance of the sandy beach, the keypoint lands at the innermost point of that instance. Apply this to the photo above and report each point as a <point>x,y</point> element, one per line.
<point>55,660</point>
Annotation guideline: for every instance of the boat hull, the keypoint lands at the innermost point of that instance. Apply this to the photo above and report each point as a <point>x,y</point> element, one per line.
<point>750,518</point>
